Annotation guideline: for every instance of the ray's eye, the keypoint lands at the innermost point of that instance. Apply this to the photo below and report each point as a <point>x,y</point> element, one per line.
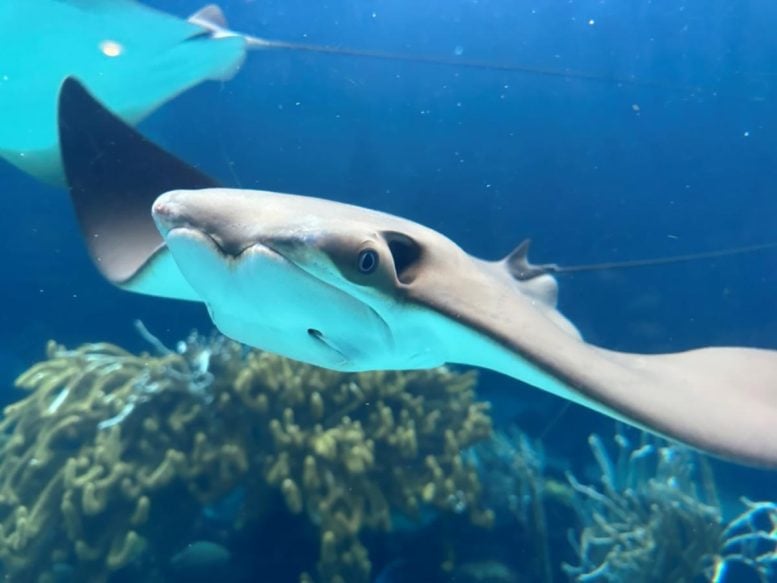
<point>367,262</point>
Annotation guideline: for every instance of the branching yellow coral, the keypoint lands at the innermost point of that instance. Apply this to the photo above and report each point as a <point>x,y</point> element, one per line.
<point>105,437</point>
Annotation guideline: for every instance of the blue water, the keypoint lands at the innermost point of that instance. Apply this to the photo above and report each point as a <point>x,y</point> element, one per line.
<point>591,170</point>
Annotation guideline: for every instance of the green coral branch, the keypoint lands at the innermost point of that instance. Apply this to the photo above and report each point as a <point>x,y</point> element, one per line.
<point>656,517</point>
<point>104,435</point>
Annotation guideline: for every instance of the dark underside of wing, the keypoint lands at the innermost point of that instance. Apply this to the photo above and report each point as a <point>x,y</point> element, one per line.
<point>114,174</point>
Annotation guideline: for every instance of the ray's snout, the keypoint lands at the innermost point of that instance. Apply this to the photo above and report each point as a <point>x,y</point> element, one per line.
<point>168,212</point>
<point>228,221</point>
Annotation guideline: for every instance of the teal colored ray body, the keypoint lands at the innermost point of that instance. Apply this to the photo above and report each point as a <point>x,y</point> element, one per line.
<point>132,57</point>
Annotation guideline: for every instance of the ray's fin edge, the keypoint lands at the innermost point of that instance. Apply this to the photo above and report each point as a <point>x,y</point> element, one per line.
<point>114,174</point>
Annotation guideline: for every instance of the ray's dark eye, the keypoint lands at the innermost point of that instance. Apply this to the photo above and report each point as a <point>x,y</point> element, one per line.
<point>367,262</point>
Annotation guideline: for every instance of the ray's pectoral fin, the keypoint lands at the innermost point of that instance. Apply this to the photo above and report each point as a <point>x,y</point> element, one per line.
<point>722,400</point>
<point>719,399</point>
<point>114,174</point>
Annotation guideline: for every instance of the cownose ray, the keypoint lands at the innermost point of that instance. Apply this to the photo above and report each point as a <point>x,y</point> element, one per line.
<point>353,289</point>
<point>134,58</point>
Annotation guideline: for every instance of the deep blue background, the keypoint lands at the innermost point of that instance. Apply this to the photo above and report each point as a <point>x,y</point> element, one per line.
<point>592,170</point>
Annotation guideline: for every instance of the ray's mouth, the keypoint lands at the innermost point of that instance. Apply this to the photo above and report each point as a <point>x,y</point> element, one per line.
<point>227,252</point>
<point>171,219</point>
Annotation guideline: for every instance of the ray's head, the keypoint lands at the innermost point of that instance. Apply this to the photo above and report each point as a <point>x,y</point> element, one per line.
<point>316,280</point>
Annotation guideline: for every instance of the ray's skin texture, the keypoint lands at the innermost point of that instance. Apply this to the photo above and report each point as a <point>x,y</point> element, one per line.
<point>354,289</point>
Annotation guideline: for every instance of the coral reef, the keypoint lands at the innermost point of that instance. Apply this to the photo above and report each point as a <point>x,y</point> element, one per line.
<point>650,521</point>
<point>517,486</point>
<point>108,446</point>
<point>750,541</point>
<point>656,517</point>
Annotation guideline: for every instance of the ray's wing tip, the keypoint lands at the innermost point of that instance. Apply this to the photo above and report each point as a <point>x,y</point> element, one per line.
<point>71,94</point>
<point>79,117</point>
<point>71,90</point>
<point>114,174</point>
